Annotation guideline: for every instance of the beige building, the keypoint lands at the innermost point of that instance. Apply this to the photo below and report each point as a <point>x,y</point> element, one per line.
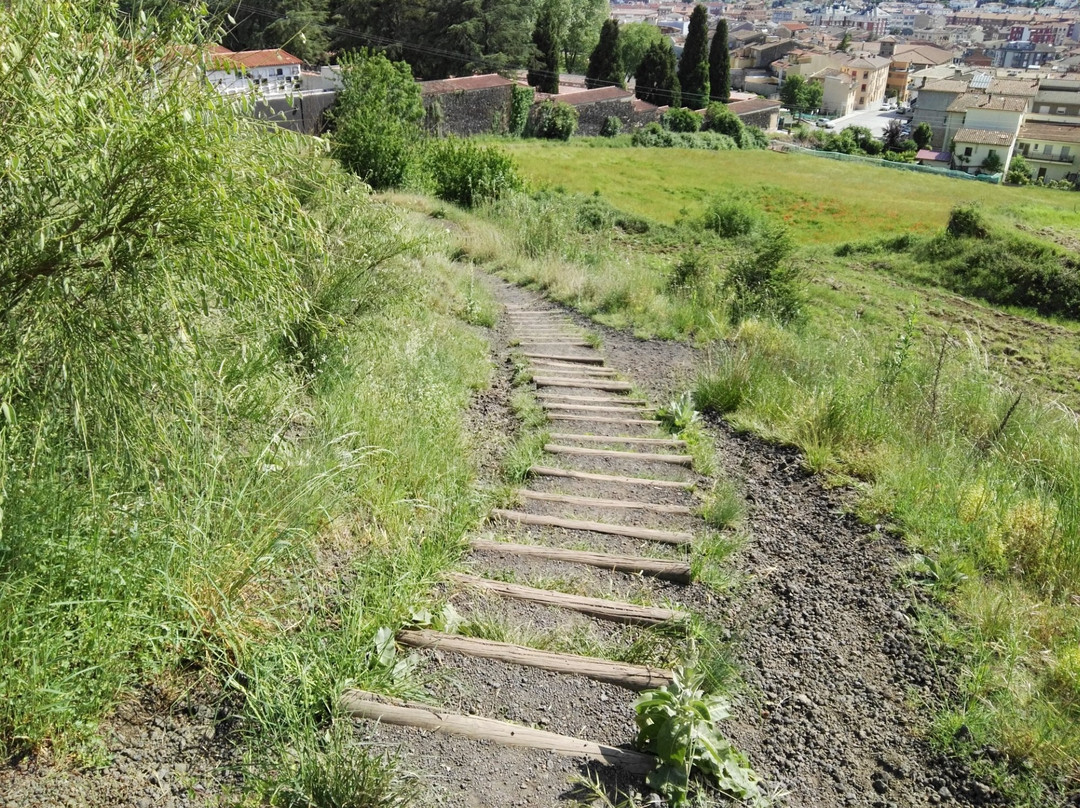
<point>1052,150</point>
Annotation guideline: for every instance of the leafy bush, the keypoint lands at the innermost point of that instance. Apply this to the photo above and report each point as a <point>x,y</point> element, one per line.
<point>753,138</point>
<point>521,101</point>
<point>766,283</point>
<point>718,118</point>
<point>681,119</point>
<point>965,221</point>
<point>1019,172</point>
<point>556,121</point>
<point>467,173</point>
<point>376,119</point>
<point>611,127</point>
<point>731,218</point>
<point>655,136</point>
<point>689,271</point>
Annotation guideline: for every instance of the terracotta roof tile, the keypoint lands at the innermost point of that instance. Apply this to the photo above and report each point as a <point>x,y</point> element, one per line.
<point>1060,133</point>
<point>985,137</point>
<point>440,86</point>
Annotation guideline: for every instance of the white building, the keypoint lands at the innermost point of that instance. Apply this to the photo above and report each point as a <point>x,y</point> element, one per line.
<point>269,71</point>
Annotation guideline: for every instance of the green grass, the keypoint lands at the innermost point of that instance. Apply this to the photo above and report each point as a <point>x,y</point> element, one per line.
<point>821,200</point>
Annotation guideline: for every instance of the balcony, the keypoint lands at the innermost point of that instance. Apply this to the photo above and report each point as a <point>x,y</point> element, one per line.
<point>1048,158</point>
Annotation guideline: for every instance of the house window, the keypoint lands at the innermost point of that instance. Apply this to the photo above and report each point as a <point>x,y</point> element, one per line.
<point>866,74</point>
<point>1060,111</point>
<point>967,152</point>
<point>864,88</point>
<point>280,72</point>
<point>1065,152</point>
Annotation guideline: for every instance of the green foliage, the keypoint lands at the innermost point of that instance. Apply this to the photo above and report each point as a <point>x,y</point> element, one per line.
<point>801,96</point>
<point>965,221</point>
<point>732,218</point>
<point>605,63</point>
<point>678,413</point>
<point>579,29</point>
<point>544,67</point>
<point>635,39</point>
<point>521,101</point>
<point>718,118</point>
<point>555,120</point>
<point>655,79</point>
<point>992,163</point>
<point>468,174</point>
<point>653,135</point>
<point>724,506</point>
<point>681,119</point>
<point>376,119</point>
<point>922,135</point>
<point>1019,172</point>
<point>720,63</point>
<point>694,61</point>
<point>766,283</point>
<point>611,127</point>
<point>298,26</point>
<point>678,723</point>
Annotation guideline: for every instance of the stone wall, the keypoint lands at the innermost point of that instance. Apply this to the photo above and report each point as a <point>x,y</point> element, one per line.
<point>304,113</point>
<point>591,117</point>
<point>468,112</point>
<point>763,119</point>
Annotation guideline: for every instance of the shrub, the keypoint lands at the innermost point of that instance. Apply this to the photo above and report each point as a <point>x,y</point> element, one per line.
<point>611,127</point>
<point>376,119</point>
<point>655,136</point>
<point>521,100</point>
<point>765,283</point>
<point>682,119</point>
<point>718,118</point>
<point>965,221</point>
<point>467,173</point>
<point>753,138</point>
<point>731,218</point>
<point>689,271</point>
<point>556,121</point>
<point>1019,173</point>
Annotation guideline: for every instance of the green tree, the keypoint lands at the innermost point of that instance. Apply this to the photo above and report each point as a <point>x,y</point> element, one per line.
<point>1019,172</point>
<point>655,78</point>
<point>298,26</point>
<point>720,64</point>
<point>605,64</point>
<point>377,119</point>
<point>544,68</point>
<point>635,39</point>
<point>799,95</point>
<point>495,35</point>
<point>845,43</point>
<point>893,136</point>
<point>718,118</point>
<point>694,62</point>
<point>922,135</point>
<point>992,163</point>
<point>556,120</point>
<point>579,30</point>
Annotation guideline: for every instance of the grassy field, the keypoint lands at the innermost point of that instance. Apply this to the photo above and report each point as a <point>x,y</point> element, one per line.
<point>823,201</point>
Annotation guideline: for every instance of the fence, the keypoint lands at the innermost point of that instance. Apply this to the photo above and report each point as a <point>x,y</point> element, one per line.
<point>855,158</point>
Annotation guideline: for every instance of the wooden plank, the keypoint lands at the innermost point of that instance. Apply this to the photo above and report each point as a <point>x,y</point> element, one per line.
<point>564,343</point>
<point>360,704</point>
<point>678,460</point>
<point>632,677</point>
<point>628,531</point>
<point>596,502</point>
<point>601,608</point>
<point>568,367</point>
<point>573,474</point>
<point>597,408</point>
<point>674,442</point>
<point>585,360</point>
<point>585,384</point>
<point>598,419</point>
<point>577,374</point>
<point>676,571</point>
<point>565,398</point>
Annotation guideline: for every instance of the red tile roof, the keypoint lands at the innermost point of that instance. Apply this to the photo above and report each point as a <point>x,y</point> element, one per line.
<point>484,82</point>
<point>985,137</point>
<point>753,105</point>
<point>273,57</point>
<point>593,96</point>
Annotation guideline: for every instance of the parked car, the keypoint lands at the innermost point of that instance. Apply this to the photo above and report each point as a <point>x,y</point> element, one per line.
<point>824,123</point>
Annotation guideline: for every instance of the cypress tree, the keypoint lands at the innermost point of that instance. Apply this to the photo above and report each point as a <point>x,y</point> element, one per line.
<point>605,64</point>
<point>720,64</point>
<point>655,78</point>
<point>544,66</point>
<point>694,63</point>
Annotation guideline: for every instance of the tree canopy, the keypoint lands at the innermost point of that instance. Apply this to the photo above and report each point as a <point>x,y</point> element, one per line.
<point>799,95</point>
<point>544,69</point>
<point>694,62</point>
<point>605,64</point>
<point>634,40</point>
<point>720,64</point>
<point>656,81</point>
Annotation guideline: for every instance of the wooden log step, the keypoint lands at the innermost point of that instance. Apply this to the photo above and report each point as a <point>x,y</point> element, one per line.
<point>581,375</point>
<point>564,398</point>
<point>673,442</point>
<point>569,343</point>
<point>360,704</point>
<point>632,677</point>
<point>629,531</point>
<point>589,384</point>
<point>614,504</point>
<point>583,360</point>
<point>598,419</point>
<point>573,474</point>
<point>569,367</point>
<point>597,408</point>
<point>601,608</point>
<point>678,460</point>
<point>676,571</point>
